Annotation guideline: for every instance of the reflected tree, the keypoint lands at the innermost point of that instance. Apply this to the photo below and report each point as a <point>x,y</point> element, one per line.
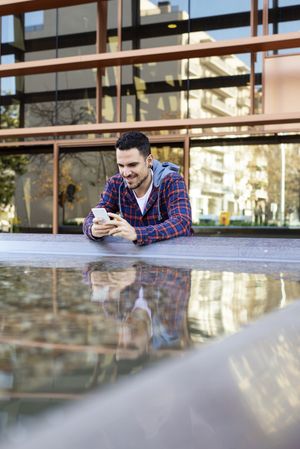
<point>10,165</point>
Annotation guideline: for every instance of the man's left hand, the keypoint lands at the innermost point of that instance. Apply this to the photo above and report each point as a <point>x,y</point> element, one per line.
<point>122,228</point>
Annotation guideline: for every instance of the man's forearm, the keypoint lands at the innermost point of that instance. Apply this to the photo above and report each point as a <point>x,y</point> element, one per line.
<point>173,227</point>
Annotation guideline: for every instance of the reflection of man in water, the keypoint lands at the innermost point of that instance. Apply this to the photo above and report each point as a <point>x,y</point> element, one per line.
<point>148,306</point>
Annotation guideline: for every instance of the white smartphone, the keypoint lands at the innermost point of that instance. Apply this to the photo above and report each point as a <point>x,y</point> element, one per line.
<point>100,212</point>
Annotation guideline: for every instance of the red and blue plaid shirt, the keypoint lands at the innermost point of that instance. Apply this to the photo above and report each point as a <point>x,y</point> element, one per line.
<point>173,219</point>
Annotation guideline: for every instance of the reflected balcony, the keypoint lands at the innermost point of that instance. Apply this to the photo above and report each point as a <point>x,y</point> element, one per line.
<point>214,188</point>
<point>215,105</point>
<point>213,166</point>
<point>218,65</point>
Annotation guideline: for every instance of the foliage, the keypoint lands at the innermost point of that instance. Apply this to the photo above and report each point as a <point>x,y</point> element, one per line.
<point>10,165</point>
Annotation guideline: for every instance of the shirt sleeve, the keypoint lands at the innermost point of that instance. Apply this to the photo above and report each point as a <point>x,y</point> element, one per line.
<point>179,220</point>
<point>108,200</point>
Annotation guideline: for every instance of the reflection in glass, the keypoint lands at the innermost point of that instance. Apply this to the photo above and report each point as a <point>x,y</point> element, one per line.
<point>77,19</point>
<point>82,178</point>
<point>244,181</point>
<point>215,8</point>
<point>167,153</point>
<point>220,303</point>
<point>33,195</point>
<point>154,91</point>
<point>39,26</point>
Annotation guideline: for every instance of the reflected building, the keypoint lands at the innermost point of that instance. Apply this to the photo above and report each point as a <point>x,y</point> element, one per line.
<point>221,303</point>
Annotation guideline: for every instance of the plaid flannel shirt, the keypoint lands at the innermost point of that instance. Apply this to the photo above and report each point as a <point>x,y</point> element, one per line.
<point>174,205</point>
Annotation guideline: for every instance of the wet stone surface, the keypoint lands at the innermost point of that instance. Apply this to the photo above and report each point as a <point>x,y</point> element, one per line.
<point>67,331</point>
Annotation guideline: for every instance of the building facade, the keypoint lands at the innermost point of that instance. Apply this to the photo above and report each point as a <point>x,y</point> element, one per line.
<point>192,76</point>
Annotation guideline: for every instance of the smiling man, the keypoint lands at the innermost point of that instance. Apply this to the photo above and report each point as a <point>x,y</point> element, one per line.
<point>147,201</point>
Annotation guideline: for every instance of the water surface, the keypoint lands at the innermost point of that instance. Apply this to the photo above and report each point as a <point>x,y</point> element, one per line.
<point>66,331</point>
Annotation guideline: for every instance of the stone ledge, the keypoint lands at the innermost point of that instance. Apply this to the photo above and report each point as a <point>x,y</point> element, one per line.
<point>184,248</point>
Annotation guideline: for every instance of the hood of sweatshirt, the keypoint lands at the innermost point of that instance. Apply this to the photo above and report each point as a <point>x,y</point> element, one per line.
<point>161,170</point>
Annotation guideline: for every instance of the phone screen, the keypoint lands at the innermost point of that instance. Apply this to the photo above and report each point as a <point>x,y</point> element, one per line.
<point>101,213</point>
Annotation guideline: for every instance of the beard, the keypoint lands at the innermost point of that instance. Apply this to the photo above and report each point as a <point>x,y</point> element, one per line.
<point>138,184</point>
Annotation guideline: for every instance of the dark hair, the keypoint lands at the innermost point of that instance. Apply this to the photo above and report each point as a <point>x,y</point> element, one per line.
<point>134,139</point>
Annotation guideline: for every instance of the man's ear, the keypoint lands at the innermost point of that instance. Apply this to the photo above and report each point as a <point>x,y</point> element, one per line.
<point>149,160</point>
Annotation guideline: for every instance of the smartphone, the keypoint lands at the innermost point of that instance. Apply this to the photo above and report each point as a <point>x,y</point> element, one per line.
<point>100,212</point>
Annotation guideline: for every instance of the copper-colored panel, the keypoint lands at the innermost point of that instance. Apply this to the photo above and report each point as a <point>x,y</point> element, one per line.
<point>281,84</point>
<point>266,17</point>
<point>119,69</point>
<point>21,6</point>
<point>35,143</point>
<point>186,163</point>
<point>253,21</point>
<point>169,53</point>
<point>55,188</point>
<point>154,125</point>
<point>101,48</point>
<point>84,143</point>
<point>97,142</point>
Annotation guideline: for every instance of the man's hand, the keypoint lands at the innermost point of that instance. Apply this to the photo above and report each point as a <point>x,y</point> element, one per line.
<point>121,228</point>
<point>101,228</point>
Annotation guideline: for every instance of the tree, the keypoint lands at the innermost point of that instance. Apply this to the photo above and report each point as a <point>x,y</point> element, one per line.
<point>10,166</point>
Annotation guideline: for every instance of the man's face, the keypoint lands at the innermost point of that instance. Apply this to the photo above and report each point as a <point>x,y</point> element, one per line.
<point>133,167</point>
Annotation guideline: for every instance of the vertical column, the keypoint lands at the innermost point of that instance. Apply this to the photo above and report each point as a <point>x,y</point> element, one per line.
<point>136,22</point>
<point>276,19</point>
<point>19,49</point>
<point>253,20</point>
<point>55,187</point>
<point>265,32</point>
<point>282,184</point>
<point>266,17</point>
<point>186,159</point>
<point>119,68</point>
<point>101,35</point>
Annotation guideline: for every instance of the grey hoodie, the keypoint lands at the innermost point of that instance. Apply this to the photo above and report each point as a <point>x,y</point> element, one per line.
<point>160,171</point>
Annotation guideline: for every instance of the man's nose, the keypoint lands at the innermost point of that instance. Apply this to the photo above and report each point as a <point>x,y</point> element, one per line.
<point>126,172</point>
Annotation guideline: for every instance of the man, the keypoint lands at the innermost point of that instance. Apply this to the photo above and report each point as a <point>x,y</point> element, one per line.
<point>147,201</point>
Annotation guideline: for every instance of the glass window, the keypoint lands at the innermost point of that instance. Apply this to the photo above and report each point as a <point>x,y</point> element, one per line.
<point>81,181</point>
<point>7,29</point>
<point>32,206</point>
<point>153,91</point>
<point>39,26</point>
<point>77,19</point>
<point>8,84</point>
<point>34,21</point>
<point>289,27</point>
<point>208,8</point>
<point>168,153</point>
<point>253,185</point>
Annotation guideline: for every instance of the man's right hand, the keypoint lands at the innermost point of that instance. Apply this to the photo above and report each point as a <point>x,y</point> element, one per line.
<point>100,228</point>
